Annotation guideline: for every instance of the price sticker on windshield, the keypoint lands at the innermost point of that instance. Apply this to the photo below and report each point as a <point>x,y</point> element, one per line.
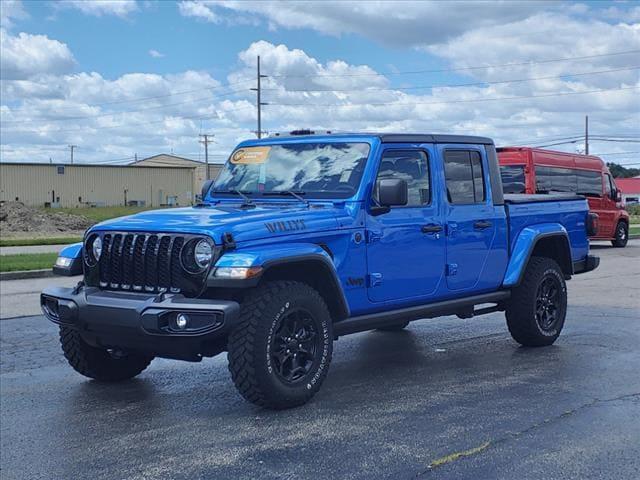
<point>250,155</point>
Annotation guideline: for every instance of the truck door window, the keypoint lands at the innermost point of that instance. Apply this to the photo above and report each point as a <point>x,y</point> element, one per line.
<point>512,178</point>
<point>411,166</point>
<point>590,183</point>
<point>608,187</point>
<point>464,176</point>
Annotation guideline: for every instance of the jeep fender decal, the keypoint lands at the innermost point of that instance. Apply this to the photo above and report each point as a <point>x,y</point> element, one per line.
<point>286,226</point>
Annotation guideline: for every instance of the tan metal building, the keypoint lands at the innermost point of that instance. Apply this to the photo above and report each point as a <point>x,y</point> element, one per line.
<point>199,168</point>
<point>79,185</point>
<point>154,181</point>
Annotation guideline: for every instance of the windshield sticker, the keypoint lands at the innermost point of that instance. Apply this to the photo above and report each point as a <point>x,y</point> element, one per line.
<point>250,155</point>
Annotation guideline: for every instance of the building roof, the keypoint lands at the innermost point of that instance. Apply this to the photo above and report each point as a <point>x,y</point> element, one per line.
<point>167,159</point>
<point>628,185</point>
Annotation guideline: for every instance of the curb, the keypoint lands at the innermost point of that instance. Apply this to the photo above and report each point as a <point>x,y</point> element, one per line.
<point>25,274</point>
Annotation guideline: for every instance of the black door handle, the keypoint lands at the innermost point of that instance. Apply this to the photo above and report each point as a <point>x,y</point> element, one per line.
<point>481,224</point>
<point>431,228</point>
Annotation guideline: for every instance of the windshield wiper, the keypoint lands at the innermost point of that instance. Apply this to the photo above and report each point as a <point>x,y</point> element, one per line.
<point>294,194</point>
<point>247,202</point>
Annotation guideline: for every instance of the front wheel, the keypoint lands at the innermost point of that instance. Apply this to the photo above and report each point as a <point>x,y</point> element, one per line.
<point>537,308</point>
<point>622,235</point>
<point>279,353</point>
<point>99,363</point>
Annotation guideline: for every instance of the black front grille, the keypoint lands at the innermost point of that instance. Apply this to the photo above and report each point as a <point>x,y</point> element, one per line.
<point>144,262</point>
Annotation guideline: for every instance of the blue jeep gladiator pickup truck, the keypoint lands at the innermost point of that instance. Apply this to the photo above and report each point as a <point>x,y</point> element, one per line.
<point>303,238</point>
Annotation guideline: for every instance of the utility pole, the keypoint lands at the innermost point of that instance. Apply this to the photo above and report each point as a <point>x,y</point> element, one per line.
<point>586,134</point>
<point>206,141</point>
<point>72,147</point>
<point>259,102</point>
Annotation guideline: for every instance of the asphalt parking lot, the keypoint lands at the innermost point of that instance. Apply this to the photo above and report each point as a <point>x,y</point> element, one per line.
<point>447,398</point>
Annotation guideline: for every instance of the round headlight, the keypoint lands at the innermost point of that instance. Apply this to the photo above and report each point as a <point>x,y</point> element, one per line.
<point>203,254</point>
<point>96,248</point>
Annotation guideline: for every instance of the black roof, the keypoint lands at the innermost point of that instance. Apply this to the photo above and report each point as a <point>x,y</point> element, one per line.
<point>393,137</point>
<point>428,138</point>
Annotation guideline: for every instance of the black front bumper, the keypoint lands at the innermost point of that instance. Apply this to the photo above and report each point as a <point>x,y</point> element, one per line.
<point>143,323</point>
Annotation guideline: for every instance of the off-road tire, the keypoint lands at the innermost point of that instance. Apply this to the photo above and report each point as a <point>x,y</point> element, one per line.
<point>394,328</point>
<point>249,351</point>
<point>622,235</point>
<point>98,363</point>
<point>521,307</point>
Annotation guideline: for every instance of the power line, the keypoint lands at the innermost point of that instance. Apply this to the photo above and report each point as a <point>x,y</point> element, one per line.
<point>456,84</point>
<point>591,138</point>
<point>182,117</point>
<point>86,117</point>
<point>155,97</point>
<point>459,69</point>
<point>478,100</point>
<point>619,153</point>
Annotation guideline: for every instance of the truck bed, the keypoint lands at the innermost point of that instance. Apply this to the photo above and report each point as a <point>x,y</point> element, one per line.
<point>536,211</point>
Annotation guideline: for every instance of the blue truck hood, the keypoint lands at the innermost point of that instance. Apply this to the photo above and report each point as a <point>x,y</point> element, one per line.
<point>264,221</point>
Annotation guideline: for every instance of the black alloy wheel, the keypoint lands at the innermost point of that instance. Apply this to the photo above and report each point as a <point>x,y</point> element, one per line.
<point>548,303</point>
<point>295,346</point>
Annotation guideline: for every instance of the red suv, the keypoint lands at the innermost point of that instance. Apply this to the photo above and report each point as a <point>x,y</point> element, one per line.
<point>534,170</point>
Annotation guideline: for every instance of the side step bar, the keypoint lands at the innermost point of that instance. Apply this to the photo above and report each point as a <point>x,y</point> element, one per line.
<point>448,307</point>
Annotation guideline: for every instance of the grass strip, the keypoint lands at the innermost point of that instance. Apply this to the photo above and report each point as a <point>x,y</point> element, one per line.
<point>27,261</point>
<point>21,242</point>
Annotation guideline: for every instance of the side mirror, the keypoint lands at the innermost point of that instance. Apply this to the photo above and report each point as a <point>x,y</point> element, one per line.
<point>392,192</point>
<point>205,188</point>
<point>617,195</point>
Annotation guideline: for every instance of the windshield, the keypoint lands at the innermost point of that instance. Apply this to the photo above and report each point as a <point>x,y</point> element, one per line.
<point>316,170</point>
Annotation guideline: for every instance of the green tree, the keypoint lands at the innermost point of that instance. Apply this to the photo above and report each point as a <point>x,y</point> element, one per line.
<point>618,171</point>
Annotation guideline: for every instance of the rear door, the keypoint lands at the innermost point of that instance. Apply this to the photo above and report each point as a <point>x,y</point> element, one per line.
<point>471,216</point>
<point>406,246</point>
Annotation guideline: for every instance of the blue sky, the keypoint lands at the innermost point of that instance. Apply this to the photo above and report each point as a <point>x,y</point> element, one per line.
<point>125,78</point>
<point>115,46</point>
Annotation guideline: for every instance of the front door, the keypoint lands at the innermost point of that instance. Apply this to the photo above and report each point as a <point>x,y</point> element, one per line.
<point>471,216</point>
<point>405,247</point>
<point>607,214</point>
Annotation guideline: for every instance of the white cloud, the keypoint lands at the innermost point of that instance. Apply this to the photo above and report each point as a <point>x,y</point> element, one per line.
<point>10,11</point>
<point>99,8</point>
<point>571,37</point>
<point>26,55</point>
<point>147,113</point>
<point>155,53</point>
<point>398,23</point>
<point>198,10</point>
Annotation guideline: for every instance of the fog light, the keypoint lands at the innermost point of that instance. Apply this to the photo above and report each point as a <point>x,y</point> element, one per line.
<point>181,321</point>
<point>63,262</point>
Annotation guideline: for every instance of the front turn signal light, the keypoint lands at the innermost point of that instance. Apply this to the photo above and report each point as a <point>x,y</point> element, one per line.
<point>238,273</point>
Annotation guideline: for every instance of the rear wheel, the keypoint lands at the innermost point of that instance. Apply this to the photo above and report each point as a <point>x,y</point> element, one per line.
<point>537,308</point>
<point>622,235</point>
<point>99,363</point>
<point>279,353</point>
